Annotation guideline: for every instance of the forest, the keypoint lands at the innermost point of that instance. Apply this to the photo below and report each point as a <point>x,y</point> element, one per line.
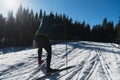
<point>19,30</point>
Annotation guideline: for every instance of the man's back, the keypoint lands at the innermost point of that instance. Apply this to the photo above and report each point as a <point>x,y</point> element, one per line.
<point>46,26</point>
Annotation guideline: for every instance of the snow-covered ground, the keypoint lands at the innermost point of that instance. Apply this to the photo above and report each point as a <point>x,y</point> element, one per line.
<point>90,61</point>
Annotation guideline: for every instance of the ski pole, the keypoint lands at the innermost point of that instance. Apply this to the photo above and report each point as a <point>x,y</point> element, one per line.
<point>66,45</point>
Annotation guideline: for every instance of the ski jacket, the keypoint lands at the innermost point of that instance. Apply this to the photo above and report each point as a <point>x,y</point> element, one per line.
<point>44,30</point>
<point>45,26</point>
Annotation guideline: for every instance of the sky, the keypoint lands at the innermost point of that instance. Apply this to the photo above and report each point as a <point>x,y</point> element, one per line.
<point>91,11</point>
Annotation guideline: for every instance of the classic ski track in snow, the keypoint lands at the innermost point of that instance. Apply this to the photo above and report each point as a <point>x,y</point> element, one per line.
<point>104,65</point>
<point>15,68</point>
<point>86,70</point>
<point>78,68</point>
<point>92,61</point>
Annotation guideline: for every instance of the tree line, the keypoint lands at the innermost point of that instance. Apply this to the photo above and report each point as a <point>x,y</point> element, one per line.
<point>19,30</point>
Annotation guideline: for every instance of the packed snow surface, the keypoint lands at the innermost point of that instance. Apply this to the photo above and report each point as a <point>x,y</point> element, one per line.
<point>88,61</point>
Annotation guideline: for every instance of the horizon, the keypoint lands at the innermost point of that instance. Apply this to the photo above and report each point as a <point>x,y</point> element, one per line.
<point>92,12</point>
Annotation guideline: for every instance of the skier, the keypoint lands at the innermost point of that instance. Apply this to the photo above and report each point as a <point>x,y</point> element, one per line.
<point>42,40</point>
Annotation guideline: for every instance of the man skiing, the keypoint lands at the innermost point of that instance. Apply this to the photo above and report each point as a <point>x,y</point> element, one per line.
<point>42,40</point>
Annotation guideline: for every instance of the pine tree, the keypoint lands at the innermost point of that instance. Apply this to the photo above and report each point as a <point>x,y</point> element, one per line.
<point>118,29</point>
<point>2,30</point>
<point>10,29</point>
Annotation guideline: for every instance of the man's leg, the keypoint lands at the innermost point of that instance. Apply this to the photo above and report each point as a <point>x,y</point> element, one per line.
<point>39,56</point>
<point>48,48</point>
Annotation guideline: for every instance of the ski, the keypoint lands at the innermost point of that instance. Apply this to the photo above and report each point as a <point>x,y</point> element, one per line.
<point>35,70</point>
<point>50,74</point>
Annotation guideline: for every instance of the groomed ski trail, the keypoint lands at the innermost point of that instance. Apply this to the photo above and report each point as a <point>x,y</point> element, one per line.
<point>92,61</point>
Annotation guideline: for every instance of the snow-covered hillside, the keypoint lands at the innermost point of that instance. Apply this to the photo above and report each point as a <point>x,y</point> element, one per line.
<point>90,61</point>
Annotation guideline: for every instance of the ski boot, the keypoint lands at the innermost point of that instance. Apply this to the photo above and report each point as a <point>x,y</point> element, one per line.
<point>50,70</point>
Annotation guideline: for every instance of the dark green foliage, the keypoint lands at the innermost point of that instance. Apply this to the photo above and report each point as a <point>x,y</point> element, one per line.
<point>104,33</point>
<point>118,30</point>
<point>20,30</point>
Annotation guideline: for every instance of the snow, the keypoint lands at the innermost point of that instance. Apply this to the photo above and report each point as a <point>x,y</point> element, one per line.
<point>90,61</point>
